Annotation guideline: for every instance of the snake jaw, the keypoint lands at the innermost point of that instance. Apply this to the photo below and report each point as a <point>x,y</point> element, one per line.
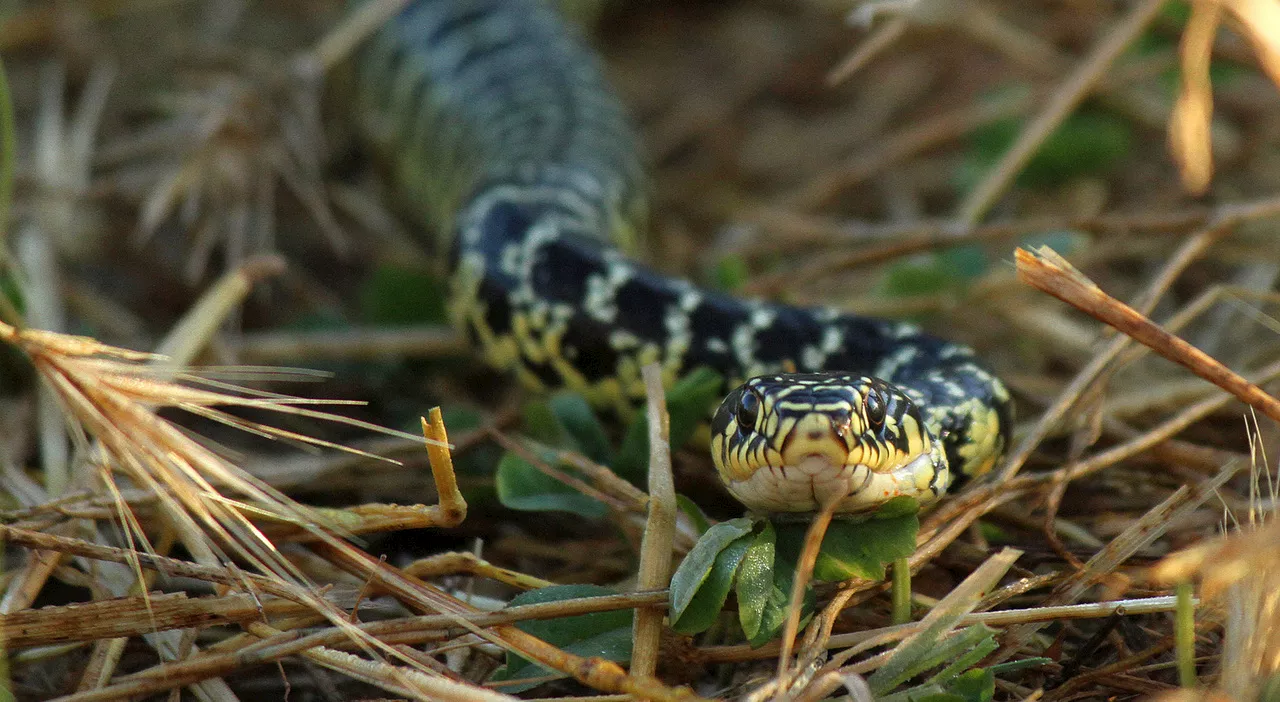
<point>804,485</point>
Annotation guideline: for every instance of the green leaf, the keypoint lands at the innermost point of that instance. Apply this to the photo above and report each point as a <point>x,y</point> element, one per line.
<point>778,604</point>
<point>1013,666</point>
<point>900,506</point>
<point>632,462</point>
<point>927,693</point>
<point>994,533</point>
<point>599,634</point>
<point>691,401</point>
<point>923,654</point>
<point>1086,143</point>
<point>755,580</point>
<point>861,550</point>
<point>539,423</point>
<point>707,602</point>
<point>694,512</point>
<point>697,564</point>
<point>976,685</point>
<point>1176,12</point>
<point>581,426</point>
<point>702,582</point>
<point>965,262</point>
<point>853,549</point>
<point>9,288</point>
<point>522,486</point>
<point>918,275</point>
<point>405,296</point>
<point>689,405</point>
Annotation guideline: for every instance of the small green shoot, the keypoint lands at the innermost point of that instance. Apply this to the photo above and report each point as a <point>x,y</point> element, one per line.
<point>523,487</point>
<point>731,273</point>
<point>701,584</point>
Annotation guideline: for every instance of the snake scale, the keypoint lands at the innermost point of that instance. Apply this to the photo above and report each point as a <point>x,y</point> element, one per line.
<point>500,127</point>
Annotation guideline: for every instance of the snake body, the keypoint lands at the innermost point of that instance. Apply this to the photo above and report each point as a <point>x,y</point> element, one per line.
<point>500,125</point>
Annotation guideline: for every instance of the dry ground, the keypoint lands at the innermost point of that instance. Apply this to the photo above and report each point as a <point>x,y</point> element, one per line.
<point>174,154</point>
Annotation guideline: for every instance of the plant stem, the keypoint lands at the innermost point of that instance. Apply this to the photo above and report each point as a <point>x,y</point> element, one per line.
<point>8,163</point>
<point>1184,635</point>
<point>901,591</point>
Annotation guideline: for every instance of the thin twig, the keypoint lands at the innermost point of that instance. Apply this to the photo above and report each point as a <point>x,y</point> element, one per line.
<point>350,345</point>
<point>598,673</point>
<point>1137,535</point>
<point>879,40</point>
<point>1194,246</point>
<point>1051,273</point>
<point>804,571</point>
<point>823,188</point>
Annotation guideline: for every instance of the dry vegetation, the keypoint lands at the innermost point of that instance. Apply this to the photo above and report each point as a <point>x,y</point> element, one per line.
<point>187,183</point>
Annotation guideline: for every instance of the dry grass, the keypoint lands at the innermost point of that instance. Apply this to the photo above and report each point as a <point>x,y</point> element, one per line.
<point>160,537</point>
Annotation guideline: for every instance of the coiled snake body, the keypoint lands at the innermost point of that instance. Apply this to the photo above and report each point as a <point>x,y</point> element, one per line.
<point>499,122</point>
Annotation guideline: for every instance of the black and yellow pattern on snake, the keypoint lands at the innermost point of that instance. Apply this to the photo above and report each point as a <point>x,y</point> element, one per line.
<point>501,126</point>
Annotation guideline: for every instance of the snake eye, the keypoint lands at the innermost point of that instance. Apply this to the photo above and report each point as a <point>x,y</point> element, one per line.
<point>873,407</point>
<point>748,411</point>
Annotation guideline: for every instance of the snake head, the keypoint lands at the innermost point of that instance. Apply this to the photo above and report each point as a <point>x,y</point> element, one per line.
<point>792,442</point>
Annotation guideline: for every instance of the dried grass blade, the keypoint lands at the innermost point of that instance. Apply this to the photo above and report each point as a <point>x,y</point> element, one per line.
<point>1261,21</point>
<point>192,333</point>
<point>655,547</point>
<point>1189,137</point>
<point>117,408</point>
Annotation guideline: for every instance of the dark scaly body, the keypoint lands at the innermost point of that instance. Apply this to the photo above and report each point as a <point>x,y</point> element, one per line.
<point>500,123</point>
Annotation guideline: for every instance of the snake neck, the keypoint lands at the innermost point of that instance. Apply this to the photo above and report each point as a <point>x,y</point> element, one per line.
<point>538,289</point>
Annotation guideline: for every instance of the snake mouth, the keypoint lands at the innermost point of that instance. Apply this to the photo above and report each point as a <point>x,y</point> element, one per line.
<point>808,481</point>
<point>795,443</point>
<point>818,451</point>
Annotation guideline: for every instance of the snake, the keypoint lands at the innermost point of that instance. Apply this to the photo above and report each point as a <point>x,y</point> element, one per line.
<point>501,132</point>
